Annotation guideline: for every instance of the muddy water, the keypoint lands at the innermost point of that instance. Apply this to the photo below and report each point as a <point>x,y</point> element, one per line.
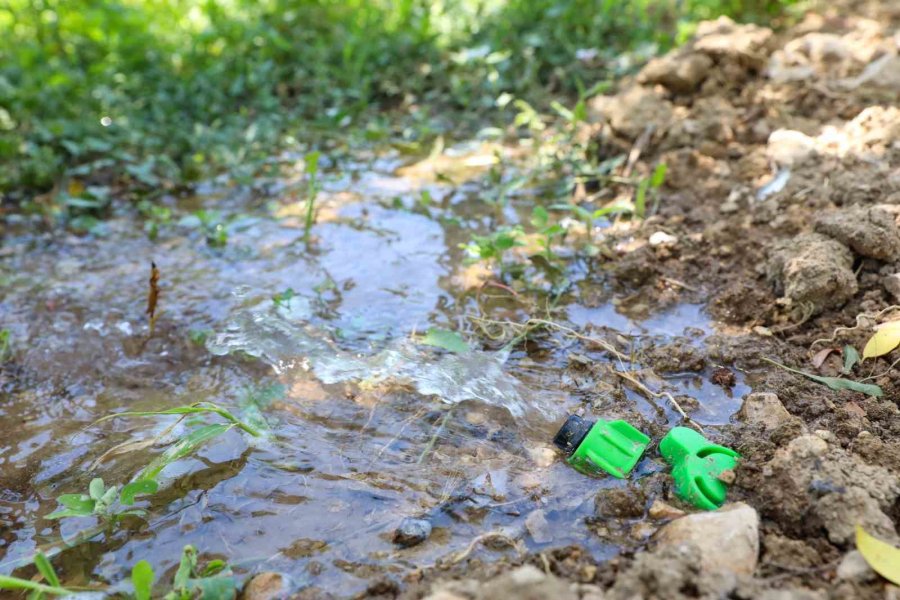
<point>362,425</point>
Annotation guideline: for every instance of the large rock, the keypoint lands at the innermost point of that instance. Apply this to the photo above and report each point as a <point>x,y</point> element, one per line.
<point>723,38</point>
<point>868,230</point>
<point>681,73</point>
<point>728,538</point>
<point>633,110</point>
<point>526,583</point>
<point>813,270</point>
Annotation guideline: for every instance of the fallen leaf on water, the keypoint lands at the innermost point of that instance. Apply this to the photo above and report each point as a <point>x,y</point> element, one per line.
<point>885,339</point>
<point>820,357</point>
<point>448,340</point>
<point>881,556</point>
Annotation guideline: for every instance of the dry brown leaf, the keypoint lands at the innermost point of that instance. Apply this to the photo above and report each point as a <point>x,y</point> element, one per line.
<point>153,295</point>
<point>819,358</point>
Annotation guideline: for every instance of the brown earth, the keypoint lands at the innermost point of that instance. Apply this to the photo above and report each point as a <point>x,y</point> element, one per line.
<point>781,270</point>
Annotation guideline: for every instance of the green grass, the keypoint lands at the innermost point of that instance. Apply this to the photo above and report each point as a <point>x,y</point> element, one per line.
<point>143,96</point>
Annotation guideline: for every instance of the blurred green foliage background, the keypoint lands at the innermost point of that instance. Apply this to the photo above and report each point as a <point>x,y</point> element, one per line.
<point>168,91</point>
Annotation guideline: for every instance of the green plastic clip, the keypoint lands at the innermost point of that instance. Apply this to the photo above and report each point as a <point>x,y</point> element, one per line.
<point>697,467</point>
<point>610,446</point>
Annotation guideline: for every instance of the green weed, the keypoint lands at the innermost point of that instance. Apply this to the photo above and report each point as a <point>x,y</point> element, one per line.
<point>109,505</point>
<point>312,191</point>
<point>5,345</point>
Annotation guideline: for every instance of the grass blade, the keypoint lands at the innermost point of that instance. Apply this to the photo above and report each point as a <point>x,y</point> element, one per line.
<point>183,447</point>
<point>46,569</point>
<point>14,583</point>
<point>835,383</point>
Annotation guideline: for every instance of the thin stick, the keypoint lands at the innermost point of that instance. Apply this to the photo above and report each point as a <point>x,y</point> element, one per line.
<point>644,389</point>
<point>434,438</point>
<point>479,539</point>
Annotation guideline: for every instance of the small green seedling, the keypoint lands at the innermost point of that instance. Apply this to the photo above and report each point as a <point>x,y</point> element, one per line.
<point>313,187</point>
<point>651,184</point>
<point>283,299</point>
<point>494,246</point>
<point>107,504</point>
<point>213,581</point>
<point>548,232</point>
<point>5,346</point>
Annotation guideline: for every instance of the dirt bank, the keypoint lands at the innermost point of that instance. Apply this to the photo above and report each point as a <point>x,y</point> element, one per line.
<point>780,209</point>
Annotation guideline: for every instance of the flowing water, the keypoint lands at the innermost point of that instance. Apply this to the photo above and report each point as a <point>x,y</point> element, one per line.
<point>363,425</point>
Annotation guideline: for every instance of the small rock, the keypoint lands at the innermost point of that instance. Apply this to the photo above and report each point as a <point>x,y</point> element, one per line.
<point>542,456</point>
<point>659,510</point>
<point>537,525</point>
<point>728,538</point>
<point>526,583</point>
<point>724,377</point>
<point>680,73</point>
<point>765,409</point>
<point>662,238</point>
<point>854,566</point>
<point>265,586</point>
<point>891,285</point>
<point>444,595</point>
<point>788,148</point>
<point>868,230</point>
<point>411,532</point>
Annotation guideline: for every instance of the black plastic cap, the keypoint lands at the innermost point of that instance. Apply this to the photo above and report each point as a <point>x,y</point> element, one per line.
<point>572,433</point>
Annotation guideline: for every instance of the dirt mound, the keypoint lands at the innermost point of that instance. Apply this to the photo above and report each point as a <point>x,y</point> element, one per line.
<point>783,155</point>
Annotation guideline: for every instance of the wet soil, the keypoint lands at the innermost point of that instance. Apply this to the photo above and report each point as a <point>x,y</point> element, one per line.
<point>778,227</point>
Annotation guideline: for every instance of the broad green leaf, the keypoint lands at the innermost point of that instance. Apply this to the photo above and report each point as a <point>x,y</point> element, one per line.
<point>580,111</point>
<point>46,569</point>
<point>835,383</point>
<point>14,583</point>
<point>539,217</point>
<point>443,338</point>
<point>109,496</point>
<point>851,358</point>
<point>96,488</point>
<point>885,339</point>
<point>66,512</point>
<point>77,502</point>
<point>183,447</point>
<point>881,556</point>
<point>142,580</point>
<point>214,567</point>
<point>137,488</point>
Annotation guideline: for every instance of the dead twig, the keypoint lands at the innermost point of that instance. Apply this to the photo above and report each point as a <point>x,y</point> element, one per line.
<point>490,535</point>
<point>650,393</point>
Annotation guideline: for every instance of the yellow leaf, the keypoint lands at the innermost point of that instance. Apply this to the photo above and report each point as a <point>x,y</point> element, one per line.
<point>76,188</point>
<point>881,556</point>
<point>885,339</point>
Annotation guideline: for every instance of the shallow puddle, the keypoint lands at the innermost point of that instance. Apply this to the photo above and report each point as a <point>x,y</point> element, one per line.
<point>363,426</point>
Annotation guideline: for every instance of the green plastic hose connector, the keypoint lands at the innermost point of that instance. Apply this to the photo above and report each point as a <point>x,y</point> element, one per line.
<point>697,467</point>
<point>613,447</point>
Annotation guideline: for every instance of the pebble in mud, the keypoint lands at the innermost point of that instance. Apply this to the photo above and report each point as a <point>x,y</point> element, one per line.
<point>265,586</point>
<point>412,532</point>
<point>764,409</point>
